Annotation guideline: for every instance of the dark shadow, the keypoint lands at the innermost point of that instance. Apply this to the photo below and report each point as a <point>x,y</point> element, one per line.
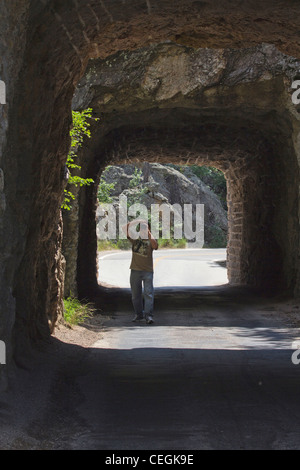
<point>206,393</point>
<point>222,263</point>
<point>192,399</point>
<point>113,299</point>
<point>165,398</point>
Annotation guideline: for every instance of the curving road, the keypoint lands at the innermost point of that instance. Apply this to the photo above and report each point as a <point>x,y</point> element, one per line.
<point>172,267</point>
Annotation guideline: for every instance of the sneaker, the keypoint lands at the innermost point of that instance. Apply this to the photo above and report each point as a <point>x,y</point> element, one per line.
<point>138,318</point>
<point>149,320</point>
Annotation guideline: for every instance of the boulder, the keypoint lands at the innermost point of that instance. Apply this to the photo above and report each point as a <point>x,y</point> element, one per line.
<point>168,185</point>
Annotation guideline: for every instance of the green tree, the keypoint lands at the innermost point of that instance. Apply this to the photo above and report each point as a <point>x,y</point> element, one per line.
<point>104,188</point>
<point>80,130</point>
<point>104,191</point>
<point>136,185</point>
<point>214,179</point>
<point>136,178</point>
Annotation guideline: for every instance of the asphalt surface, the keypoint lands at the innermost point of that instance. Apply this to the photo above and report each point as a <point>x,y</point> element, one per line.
<point>172,267</point>
<point>219,377</point>
<point>213,372</point>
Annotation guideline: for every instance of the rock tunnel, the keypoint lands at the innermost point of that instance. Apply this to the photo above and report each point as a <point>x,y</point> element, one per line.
<point>184,82</point>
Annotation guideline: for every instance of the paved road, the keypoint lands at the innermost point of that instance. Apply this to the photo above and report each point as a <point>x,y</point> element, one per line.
<point>184,267</point>
<point>213,372</point>
<point>218,377</point>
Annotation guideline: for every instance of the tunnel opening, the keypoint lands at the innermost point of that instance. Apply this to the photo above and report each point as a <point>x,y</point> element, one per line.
<point>255,253</point>
<point>169,196</point>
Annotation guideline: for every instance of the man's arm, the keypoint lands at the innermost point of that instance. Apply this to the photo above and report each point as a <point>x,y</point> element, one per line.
<point>125,229</point>
<point>153,242</point>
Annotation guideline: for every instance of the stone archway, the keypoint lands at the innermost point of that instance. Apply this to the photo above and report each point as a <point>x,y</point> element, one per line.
<point>47,46</point>
<point>254,254</point>
<point>225,118</point>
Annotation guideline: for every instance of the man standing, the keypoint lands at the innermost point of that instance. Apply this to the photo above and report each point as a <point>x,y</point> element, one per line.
<point>142,271</point>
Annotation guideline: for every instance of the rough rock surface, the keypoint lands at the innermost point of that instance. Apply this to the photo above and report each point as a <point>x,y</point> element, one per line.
<point>169,71</point>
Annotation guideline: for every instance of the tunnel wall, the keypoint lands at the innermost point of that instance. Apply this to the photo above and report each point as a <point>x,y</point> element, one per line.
<point>13,31</point>
<point>45,47</point>
<point>260,250</point>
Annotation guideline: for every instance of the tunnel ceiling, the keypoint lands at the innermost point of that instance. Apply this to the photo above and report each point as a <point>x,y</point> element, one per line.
<point>129,24</point>
<point>172,75</point>
<point>215,97</point>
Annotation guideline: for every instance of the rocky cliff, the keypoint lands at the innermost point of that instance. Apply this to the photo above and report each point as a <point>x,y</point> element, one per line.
<point>155,183</point>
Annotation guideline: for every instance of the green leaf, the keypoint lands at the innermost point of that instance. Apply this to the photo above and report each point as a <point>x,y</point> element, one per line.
<point>80,130</point>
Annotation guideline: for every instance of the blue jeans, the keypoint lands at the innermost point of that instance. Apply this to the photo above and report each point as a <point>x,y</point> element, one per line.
<point>142,304</point>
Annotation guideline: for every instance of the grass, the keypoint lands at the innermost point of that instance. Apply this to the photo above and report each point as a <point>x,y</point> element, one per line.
<point>171,243</point>
<point>218,239</point>
<point>76,312</point>
<point>104,245</point>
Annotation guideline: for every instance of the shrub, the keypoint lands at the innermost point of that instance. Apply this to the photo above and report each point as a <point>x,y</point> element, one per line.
<point>214,179</point>
<point>217,238</point>
<point>104,245</point>
<point>171,243</point>
<point>136,178</point>
<point>104,191</point>
<point>123,244</point>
